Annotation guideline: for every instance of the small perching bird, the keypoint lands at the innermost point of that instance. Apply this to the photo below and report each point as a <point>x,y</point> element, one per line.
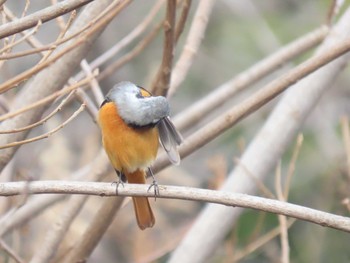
<point>132,123</point>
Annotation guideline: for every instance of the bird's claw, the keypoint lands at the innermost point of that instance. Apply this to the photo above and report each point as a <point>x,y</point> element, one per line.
<point>117,183</point>
<point>156,189</point>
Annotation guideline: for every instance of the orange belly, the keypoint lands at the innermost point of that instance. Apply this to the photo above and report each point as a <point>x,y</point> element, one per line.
<point>128,148</point>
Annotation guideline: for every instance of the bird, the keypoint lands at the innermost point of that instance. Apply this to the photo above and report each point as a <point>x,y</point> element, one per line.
<point>133,124</point>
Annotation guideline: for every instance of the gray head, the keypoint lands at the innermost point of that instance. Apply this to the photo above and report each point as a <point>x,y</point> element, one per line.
<point>136,109</point>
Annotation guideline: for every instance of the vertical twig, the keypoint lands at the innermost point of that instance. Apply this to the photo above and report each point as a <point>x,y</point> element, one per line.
<point>95,87</point>
<point>346,137</point>
<point>194,39</point>
<point>161,82</point>
<point>282,219</point>
<point>291,167</point>
<point>182,20</point>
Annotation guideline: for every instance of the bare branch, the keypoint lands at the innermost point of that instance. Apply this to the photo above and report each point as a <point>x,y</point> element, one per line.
<point>253,103</point>
<point>95,231</point>
<point>43,15</point>
<point>194,39</point>
<point>131,54</point>
<point>183,193</point>
<point>59,72</point>
<point>183,18</point>
<point>161,82</point>
<point>45,135</point>
<point>288,117</point>
<point>9,251</point>
<point>213,100</point>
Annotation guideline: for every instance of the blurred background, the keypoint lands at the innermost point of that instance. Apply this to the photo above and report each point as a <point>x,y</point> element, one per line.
<point>238,35</point>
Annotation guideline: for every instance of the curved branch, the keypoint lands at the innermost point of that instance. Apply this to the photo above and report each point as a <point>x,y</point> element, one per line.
<point>184,193</point>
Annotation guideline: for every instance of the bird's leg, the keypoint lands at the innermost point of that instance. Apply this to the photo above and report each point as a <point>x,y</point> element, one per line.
<point>121,180</point>
<point>154,184</point>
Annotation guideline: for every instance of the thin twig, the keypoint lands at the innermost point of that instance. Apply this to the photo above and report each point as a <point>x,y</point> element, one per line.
<point>47,99</point>
<point>60,39</point>
<point>28,127</point>
<point>137,31</point>
<point>239,255</point>
<point>45,135</point>
<point>32,41</point>
<point>95,87</point>
<point>282,219</point>
<point>90,106</point>
<point>291,167</point>
<point>183,18</point>
<point>94,171</point>
<point>193,42</point>
<point>130,55</point>
<point>103,19</point>
<point>261,186</point>
<point>184,193</point>
<point>60,20</point>
<point>161,82</point>
<point>24,38</point>
<point>346,137</point>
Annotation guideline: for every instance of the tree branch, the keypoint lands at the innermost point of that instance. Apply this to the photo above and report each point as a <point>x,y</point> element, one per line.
<point>161,82</point>
<point>184,193</point>
<point>43,15</point>
<point>238,112</point>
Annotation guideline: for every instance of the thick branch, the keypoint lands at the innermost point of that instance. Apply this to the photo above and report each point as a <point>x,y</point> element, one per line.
<point>184,193</point>
<point>43,15</point>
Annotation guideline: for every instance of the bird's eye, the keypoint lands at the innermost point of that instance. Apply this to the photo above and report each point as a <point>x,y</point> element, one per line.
<point>139,95</point>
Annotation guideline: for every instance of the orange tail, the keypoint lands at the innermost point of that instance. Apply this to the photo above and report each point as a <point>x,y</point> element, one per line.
<point>143,211</point>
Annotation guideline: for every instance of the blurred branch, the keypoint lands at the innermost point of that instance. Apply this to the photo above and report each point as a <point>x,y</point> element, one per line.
<point>292,165</point>
<point>43,15</point>
<point>137,31</point>
<point>193,41</point>
<point>93,171</point>
<point>131,54</point>
<point>95,230</point>
<point>161,82</point>
<point>10,252</point>
<point>213,100</point>
<point>42,121</point>
<point>48,98</point>
<point>90,28</point>
<point>268,145</point>
<point>254,102</point>
<point>183,193</point>
<point>26,36</point>
<point>282,219</point>
<point>58,230</point>
<point>95,86</point>
<point>56,76</point>
<point>180,25</point>
<point>61,39</point>
<point>31,40</point>
<point>45,135</point>
<point>257,243</point>
<point>346,137</point>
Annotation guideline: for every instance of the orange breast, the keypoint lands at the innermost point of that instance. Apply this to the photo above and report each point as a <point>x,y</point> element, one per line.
<point>128,148</point>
